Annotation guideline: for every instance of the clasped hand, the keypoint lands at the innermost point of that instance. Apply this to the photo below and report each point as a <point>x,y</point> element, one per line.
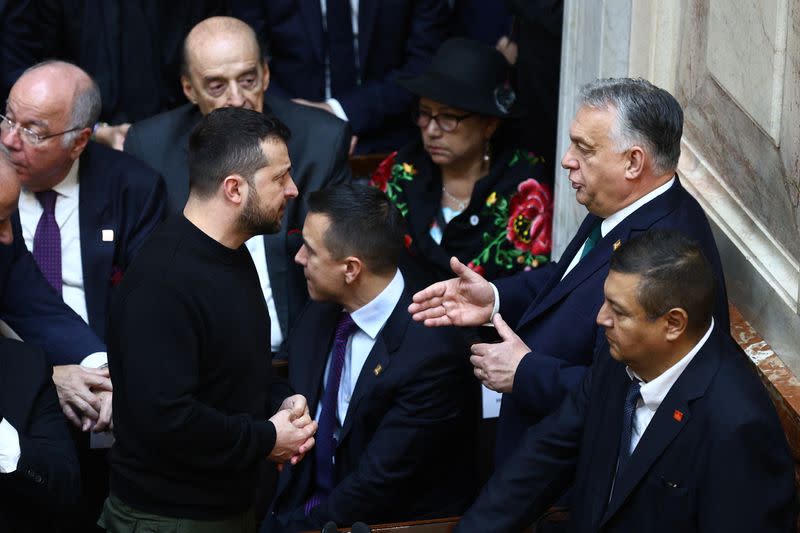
<point>84,395</point>
<point>294,431</point>
<point>495,364</point>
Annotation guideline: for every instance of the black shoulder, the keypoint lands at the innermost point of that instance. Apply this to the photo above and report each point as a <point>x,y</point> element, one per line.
<point>299,117</point>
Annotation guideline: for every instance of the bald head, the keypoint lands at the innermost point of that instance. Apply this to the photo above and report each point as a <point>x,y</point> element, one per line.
<point>55,104</point>
<point>223,66</point>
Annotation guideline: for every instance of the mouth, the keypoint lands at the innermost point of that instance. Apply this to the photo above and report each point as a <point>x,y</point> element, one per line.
<point>435,150</point>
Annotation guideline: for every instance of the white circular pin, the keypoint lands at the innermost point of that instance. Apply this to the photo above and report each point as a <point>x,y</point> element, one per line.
<point>474,220</point>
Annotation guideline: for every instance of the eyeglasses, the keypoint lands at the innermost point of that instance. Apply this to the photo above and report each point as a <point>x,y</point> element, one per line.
<point>28,135</point>
<point>447,122</point>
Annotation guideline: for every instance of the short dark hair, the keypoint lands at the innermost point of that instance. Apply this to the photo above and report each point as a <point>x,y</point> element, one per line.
<point>364,223</point>
<point>674,273</point>
<point>228,141</point>
<point>646,115</point>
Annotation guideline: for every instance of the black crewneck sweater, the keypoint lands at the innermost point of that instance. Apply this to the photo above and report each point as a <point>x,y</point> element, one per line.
<point>189,355</point>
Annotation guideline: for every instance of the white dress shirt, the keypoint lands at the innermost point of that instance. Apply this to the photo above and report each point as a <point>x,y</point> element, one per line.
<point>653,392</point>
<point>255,246</point>
<point>370,320</point>
<point>613,221</point>
<point>67,218</point>
<point>337,108</point>
<point>9,447</point>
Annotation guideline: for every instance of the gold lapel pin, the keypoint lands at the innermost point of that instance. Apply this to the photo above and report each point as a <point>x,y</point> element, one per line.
<point>378,369</point>
<point>617,244</point>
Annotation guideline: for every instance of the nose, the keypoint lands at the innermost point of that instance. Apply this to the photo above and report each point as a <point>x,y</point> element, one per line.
<point>6,232</point>
<point>291,190</point>
<point>433,129</point>
<point>569,162</point>
<point>300,256</point>
<point>604,317</point>
<point>235,96</point>
<point>10,138</point>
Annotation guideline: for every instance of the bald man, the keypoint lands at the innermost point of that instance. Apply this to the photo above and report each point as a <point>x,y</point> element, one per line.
<point>224,67</point>
<point>84,212</point>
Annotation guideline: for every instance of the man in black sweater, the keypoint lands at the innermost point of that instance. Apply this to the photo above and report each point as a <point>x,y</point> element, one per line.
<point>189,344</point>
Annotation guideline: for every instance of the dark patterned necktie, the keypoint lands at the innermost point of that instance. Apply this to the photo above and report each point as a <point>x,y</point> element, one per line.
<point>341,52</point>
<point>327,423</point>
<point>628,414</point>
<point>47,240</point>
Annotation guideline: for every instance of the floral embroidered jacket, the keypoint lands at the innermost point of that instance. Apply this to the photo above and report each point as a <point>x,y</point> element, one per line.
<point>505,228</point>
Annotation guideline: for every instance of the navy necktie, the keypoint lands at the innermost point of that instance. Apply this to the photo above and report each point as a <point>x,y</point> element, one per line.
<point>47,240</point>
<point>341,52</point>
<point>593,238</point>
<point>327,423</point>
<point>628,414</point>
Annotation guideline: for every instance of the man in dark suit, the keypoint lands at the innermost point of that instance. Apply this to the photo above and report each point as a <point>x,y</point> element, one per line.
<point>391,397</point>
<point>84,212</point>
<point>223,67</point>
<point>38,467</point>
<point>671,430</point>
<point>346,60</point>
<point>625,148</point>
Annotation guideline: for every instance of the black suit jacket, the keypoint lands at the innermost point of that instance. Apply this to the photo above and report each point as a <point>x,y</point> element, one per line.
<point>318,150</point>
<point>407,445</point>
<point>395,38</point>
<point>47,478</point>
<point>713,458</point>
<point>557,318</point>
<point>119,193</point>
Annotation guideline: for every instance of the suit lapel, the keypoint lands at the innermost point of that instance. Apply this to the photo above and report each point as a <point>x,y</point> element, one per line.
<point>387,342</point>
<point>97,255</point>
<point>312,16</point>
<point>665,426</point>
<point>310,356</point>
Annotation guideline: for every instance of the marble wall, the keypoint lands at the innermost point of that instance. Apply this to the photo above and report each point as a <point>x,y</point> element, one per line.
<point>735,67</point>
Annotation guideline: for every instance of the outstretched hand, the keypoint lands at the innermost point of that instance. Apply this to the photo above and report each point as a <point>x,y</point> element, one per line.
<point>496,364</point>
<point>466,300</point>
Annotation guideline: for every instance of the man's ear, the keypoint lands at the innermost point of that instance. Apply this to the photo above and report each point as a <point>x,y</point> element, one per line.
<point>265,75</point>
<point>80,143</point>
<point>235,189</point>
<point>188,89</point>
<point>634,166</point>
<point>676,322</point>
<point>352,269</point>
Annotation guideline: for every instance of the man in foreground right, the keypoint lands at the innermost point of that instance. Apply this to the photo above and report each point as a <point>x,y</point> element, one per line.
<point>670,430</point>
<point>189,345</point>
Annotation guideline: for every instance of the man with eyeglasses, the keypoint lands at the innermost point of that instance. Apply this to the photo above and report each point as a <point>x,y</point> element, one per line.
<point>223,66</point>
<point>84,212</point>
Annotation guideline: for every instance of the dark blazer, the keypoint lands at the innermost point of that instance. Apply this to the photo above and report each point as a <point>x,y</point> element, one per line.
<point>36,312</point>
<point>557,318</point>
<point>318,150</point>
<point>712,459</point>
<point>406,449</point>
<point>119,193</point>
<point>19,40</point>
<point>395,38</point>
<point>47,477</point>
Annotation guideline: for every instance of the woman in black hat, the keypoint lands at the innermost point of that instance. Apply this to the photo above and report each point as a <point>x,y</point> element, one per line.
<point>464,189</point>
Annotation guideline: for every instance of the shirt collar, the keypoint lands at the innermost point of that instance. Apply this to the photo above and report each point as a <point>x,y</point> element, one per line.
<point>653,392</point>
<point>68,187</point>
<point>371,317</point>
<point>611,222</point>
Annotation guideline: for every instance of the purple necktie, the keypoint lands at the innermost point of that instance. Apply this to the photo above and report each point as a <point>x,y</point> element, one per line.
<point>628,414</point>
<point>47,240</point>
<point>327,423</point>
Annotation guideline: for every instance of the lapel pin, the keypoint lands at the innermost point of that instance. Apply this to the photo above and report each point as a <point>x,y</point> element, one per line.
<point>107,235</point>
<point>677,415</point>
<point>378,370</point>
<point>617,244</point>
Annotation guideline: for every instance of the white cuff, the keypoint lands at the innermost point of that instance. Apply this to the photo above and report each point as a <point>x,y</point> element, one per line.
<point>9,447</point>
<point>337,108</point>
<point>496,306</point>
<point>95,360</point>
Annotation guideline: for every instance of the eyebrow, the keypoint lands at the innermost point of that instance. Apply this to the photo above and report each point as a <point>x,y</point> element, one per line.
<point>305,242</point>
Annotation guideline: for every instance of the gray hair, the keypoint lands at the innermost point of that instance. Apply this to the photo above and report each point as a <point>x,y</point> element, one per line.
<point>645,115</point>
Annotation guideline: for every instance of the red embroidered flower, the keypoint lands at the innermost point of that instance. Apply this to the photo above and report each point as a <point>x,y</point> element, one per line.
<point>531,218</point>
<point>477,268</point>
<point>383,173</point>
<point>407,240</point>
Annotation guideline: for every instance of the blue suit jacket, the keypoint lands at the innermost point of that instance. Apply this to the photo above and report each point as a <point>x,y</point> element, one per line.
<point>557,318</point>
<point>407,445</point>
<point>119,193</point>
<point>395,38</point>
<point>713,458</point>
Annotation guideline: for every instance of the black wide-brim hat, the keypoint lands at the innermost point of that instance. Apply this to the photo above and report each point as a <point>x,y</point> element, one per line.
<point>468,75</point>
